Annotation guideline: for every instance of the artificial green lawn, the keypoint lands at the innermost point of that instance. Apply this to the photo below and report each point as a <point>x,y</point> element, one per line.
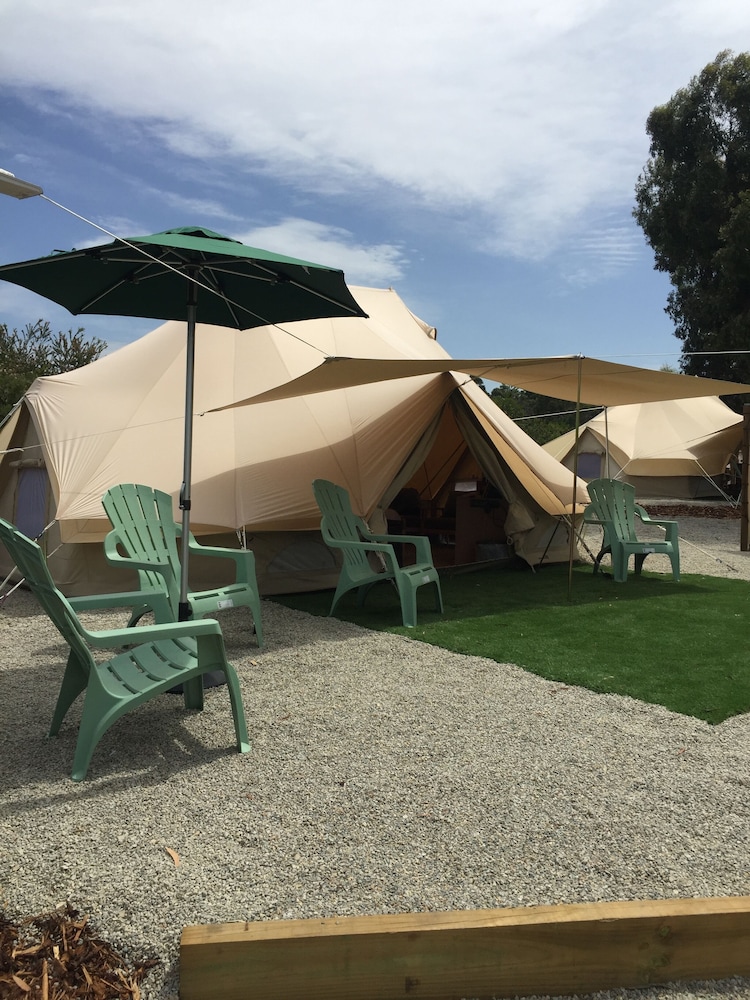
<point>683,645</point>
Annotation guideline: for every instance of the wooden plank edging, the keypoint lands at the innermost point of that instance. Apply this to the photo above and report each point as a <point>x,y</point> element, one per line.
<point>573,948</point>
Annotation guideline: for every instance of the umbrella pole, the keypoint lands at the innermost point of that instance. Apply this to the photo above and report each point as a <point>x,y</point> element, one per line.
<point>185,611</point>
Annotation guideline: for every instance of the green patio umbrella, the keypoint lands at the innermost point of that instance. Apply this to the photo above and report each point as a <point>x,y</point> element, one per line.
<point>164,276</point>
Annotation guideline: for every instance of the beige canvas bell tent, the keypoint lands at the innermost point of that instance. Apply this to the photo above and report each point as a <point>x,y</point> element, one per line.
<point>431,453</point>
<point>677,448</point>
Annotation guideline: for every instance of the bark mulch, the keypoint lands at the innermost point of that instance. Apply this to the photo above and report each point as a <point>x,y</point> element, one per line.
<point>56,956</point>
<point>674,510</point>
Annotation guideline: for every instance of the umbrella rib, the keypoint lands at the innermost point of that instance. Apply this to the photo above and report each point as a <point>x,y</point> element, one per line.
<point>305,288</point>
<point>291,281</point>
<point>181,265</point>
<point>209,270</point>
<point>132,278</point>
<point>218,290</point>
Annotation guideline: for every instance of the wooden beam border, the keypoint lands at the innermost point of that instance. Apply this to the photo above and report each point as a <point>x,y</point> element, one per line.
<point>531,951</point>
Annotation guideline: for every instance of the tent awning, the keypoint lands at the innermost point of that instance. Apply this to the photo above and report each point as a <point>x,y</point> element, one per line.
<point>575,378</point>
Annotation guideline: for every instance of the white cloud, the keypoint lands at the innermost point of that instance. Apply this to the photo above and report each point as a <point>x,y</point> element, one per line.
<point>378,265</point>
<point>601,250</point>
<point>199,207</point>
<point>528,115</point>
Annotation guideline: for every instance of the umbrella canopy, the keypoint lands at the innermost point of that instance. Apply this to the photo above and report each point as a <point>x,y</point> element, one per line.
<point>162,277</point>
<point>145,276</point>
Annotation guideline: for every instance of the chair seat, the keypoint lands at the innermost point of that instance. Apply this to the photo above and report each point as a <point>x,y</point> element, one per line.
<point>146,668</point>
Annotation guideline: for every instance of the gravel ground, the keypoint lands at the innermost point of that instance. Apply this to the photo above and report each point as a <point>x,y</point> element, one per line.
<point>385,776</point>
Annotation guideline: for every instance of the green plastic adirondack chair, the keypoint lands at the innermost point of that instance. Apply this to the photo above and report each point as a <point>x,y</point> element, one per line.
<point>163,656</point>
<point>613,507</point>
<point>342,529</point>
<point>145,536</point>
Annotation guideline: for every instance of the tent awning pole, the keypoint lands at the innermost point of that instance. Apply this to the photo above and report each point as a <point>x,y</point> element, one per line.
<point>572,530</point>
<point>606,438</point>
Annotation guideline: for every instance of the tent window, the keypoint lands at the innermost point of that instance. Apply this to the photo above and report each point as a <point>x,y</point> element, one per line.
<point>31,501</point>
<point>589,465</point>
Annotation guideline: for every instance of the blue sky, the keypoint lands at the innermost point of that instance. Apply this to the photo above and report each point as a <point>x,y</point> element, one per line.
<point>479,158</point>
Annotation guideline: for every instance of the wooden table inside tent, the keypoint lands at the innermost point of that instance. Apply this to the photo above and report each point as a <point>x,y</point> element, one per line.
<point>471,529</point>
<point>479,522</point>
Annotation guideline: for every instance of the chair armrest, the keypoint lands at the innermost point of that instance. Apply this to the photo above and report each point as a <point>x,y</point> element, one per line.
<point>243,559</point>
<point>108,638</point>
<point>420,542</point>
<point>126,599</point>
<point>670,527</point>
<point>646,517</point>
<point>345,543</point>
<point>113,556</point>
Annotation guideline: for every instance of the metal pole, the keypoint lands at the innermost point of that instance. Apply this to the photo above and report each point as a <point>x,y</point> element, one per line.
<point>745,502</point>
<point>185,611</point>
<point>606,438</point>
<point>572,529</point>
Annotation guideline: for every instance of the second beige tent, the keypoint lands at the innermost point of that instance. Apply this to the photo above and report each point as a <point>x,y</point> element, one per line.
<point>675,448</point>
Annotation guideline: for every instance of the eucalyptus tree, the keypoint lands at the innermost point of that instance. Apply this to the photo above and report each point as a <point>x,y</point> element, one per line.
<point>693,204</point>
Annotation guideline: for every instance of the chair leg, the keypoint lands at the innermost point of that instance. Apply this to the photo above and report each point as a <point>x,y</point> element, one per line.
<point>192,693</point>
<point>85,747</point>
<point>363,591</point>
<point>438,596</point>
<point>342,588</point>
<point>255,608</point>
<point>212,657</point>
<point>99,713</point>
<point>619,565</point>
<point>674,558</point>
<point>137,614</point>
<point>82,758</point>
<point>238,712</point>
<point>602,552</point>
<point>74,682</point>
<point>408,594</point>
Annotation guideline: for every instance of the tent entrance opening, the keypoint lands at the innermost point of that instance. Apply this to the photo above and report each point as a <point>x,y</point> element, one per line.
<point>464,520</point>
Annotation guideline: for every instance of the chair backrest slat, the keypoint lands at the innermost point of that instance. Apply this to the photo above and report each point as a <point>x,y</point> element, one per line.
<point>614,501</point>
<point>144,526</point>
<point>339,522</point>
